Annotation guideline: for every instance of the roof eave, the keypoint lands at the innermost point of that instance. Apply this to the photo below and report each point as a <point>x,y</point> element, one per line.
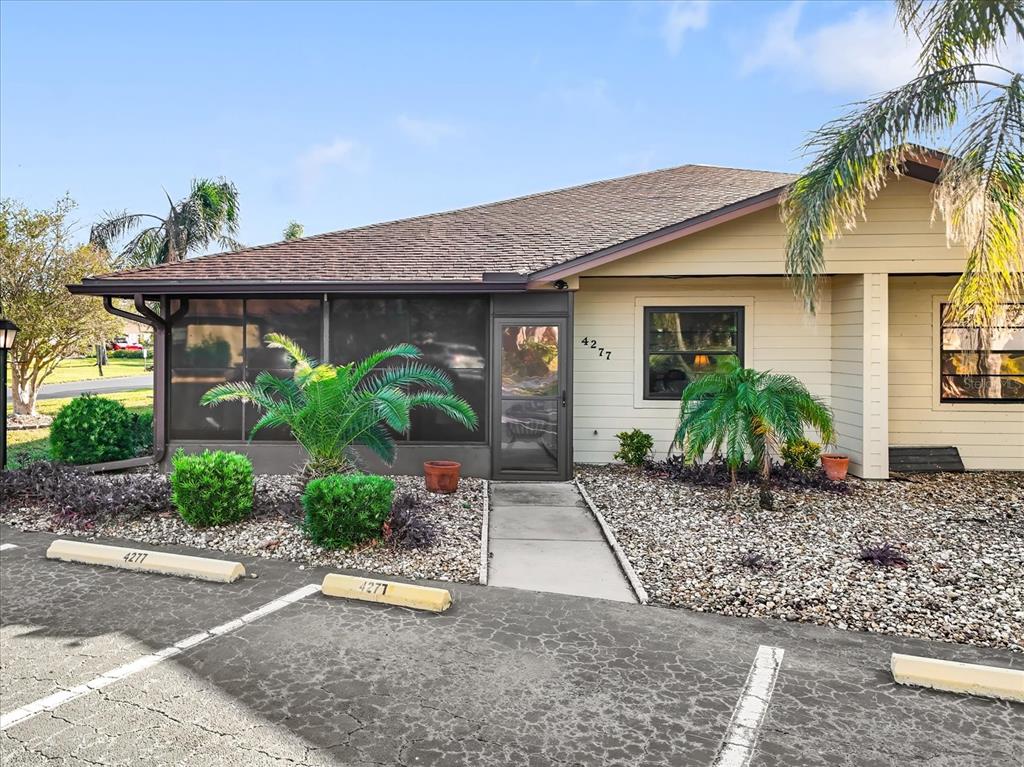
<point>492,283</point>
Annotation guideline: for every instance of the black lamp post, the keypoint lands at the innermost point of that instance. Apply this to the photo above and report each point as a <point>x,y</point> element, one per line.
<point>7,332</point>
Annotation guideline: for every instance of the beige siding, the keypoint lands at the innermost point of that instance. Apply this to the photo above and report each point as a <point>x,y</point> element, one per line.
<point>847,366</point>
<point>608,393</point>
<point>860,371</point>
<point>987,436</point>
<point>898,237</point>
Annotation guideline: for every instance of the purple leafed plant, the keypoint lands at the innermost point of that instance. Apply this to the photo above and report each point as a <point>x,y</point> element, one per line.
<point>885,555</point>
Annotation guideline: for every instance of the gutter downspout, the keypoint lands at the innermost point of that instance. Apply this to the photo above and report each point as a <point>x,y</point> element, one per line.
<point>161,328</point>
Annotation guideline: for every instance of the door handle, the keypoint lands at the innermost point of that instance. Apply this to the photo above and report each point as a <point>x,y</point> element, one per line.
<point>563,398</point>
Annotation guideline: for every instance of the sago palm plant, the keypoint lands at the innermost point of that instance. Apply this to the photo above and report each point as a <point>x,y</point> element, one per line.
<point>742,415</point>
<point>331,408</point>
<point>961,91</point>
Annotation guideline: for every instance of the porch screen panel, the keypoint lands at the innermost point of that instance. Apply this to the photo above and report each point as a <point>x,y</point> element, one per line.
<point>451,331</point>
<point>301,319</point>
<point>681,344</point>
<point>983,365</point>
<point>207,348</point>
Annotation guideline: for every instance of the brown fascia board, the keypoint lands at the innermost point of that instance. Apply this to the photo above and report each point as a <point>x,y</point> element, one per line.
<point>658,237</point>
<point>219,287</point>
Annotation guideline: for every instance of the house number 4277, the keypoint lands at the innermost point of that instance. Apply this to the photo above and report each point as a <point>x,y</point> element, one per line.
<point>601,351</point>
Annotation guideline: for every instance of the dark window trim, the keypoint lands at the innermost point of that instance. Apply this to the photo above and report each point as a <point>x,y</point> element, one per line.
<point>943,399</point>
<point>649,310</point>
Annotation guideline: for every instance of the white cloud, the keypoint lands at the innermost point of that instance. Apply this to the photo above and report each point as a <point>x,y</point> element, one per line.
<point>682,17</point>
<point>866,52</point>
<point>315,161</point>
<point>425,132</point>
<point>590,95</point>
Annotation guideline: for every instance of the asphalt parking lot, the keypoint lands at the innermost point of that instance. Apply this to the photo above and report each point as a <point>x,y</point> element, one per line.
<point>504,677</point>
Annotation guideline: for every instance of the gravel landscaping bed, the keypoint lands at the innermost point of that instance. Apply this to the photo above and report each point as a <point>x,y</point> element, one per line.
<point>962,534</point>
<point>274,530</point>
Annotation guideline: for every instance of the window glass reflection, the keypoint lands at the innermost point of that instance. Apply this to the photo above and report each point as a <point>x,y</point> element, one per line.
<point>529,360</point>
<point>451,331</point>
<point>529,435</point>
<point>298,318</point>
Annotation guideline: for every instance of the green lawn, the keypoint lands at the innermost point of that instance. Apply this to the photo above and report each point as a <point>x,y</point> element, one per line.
<point>85,370</point>
<point>36,442</point>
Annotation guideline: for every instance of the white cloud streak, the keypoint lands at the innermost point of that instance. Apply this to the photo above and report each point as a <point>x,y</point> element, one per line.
<point>340,153</point>
<point>866,52</point>
<point>683,16</point>
<point>425,132</point>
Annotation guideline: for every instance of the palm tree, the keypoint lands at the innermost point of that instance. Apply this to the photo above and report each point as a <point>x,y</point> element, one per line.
<point>743,415</point>
<point>960,90</point>
<point>293,231</point>
<point>331,408</point>
<point>208,215</point>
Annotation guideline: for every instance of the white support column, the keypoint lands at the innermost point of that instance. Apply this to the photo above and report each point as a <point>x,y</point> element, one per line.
<point>875,460</point>
<point>860,371</point>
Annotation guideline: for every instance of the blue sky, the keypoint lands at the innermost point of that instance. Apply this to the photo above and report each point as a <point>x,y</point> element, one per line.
<point>338,115</point>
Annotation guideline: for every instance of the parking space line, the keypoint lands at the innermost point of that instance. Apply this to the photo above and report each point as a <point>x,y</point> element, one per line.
<point>740,738</point>
<point>8,546</point>
<point>50,702</point>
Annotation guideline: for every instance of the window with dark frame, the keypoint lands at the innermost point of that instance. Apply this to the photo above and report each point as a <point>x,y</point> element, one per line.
<point>983,365</point>
<point>683,343</point>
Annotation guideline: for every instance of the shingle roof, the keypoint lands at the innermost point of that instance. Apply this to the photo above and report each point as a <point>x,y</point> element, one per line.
<point>522,235</point>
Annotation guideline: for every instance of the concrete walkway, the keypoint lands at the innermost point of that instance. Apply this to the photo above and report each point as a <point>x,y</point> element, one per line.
<point>544,538</point>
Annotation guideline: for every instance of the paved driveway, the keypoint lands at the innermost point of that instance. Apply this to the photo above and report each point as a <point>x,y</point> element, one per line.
<point>504,677</point>
<point>94,386</point>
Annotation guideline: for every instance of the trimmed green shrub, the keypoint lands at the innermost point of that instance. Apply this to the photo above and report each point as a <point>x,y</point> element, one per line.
<point>142,432</point>
<point>345,509</point>
<point>801,454</point>
<point>634,447</point>
<point>129,354</point>
<point>92,429</point>
<point>211,488</point>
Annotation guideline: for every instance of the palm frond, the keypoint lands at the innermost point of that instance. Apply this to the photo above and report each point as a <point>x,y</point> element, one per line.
<point>392,405</point>
<point>115,225</point>
<point>958,31</point>
<point>297,358</point>
<point>852,158</point>
<point>409,374</point>
<point>269,420</point>
<point>452,405</point>
<point>233,391</point>
<point>980,194</point>
<point>286,388</point>
<point>362,368</point>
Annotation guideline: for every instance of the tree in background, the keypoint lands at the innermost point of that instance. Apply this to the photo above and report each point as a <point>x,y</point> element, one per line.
<point>37,261</point>
<point>293,231</point>
<point>960,91</point>
<point>208,215</point>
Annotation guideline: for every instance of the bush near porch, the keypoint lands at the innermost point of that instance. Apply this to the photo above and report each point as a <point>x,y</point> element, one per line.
<point>427,536</point>
<point>702,546</point>
<point>25,446</point>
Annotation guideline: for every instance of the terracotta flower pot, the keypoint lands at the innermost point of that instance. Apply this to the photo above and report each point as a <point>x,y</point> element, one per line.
<point>835,465</point>
<point>442,476</point>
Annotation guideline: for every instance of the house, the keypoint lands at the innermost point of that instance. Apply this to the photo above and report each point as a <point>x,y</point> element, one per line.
<point>568,316</point>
